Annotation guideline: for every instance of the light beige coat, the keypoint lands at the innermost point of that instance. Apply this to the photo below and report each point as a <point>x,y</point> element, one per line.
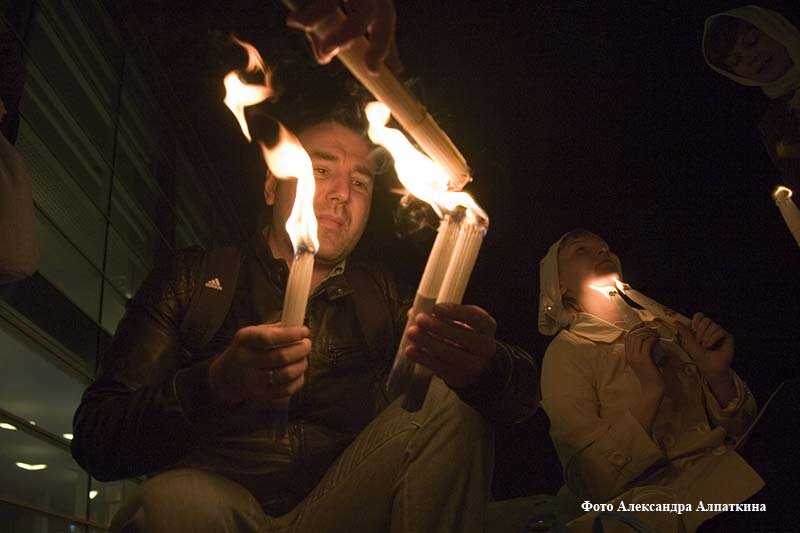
<point>588,390</point>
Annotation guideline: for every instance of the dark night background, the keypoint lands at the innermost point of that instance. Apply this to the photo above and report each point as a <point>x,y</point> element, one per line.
<point>605,118</point>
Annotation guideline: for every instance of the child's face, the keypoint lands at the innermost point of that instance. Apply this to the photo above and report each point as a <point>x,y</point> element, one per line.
<point>758,57</point>
<point>583,260</point>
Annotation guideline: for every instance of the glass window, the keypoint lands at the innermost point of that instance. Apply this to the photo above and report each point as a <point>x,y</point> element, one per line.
<point>60,197</point>
<point>41,474</point>
<point>71,70</point>
<point>17,519</point>
<point>32,387</point>
<point>68,270</point>
<point>38,301</point>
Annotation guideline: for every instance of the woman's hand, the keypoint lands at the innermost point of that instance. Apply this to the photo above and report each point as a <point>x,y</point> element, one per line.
<point>712,349</point>
<point>708,344</point>
<point>638,352</point>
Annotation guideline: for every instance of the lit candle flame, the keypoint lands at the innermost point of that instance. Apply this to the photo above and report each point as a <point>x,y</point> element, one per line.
<point>418,173</point>
<point>287,159</point>
<point>239,94</point>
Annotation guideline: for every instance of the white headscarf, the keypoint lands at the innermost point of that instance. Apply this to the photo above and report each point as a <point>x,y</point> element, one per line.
<point>776,26</point>
<point>552,315</point>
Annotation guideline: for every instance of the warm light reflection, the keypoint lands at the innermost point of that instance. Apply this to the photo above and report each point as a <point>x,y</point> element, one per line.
<point>418,173</point>
<point>287,159</point>
<point>92,494</point>
<point>782,192</point>
<point>26,466</point>
<point>605,290</point>
<point>67,436</point>
<point>7,426</point>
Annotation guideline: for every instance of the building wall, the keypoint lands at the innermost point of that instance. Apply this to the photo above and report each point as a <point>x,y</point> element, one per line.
<point>115,185</point>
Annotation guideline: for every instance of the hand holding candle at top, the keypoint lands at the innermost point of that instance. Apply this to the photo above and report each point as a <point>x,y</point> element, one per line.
<point>375,18</point>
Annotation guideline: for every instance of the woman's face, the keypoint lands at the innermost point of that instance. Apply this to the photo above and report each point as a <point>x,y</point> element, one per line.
<point>758,57</point>
<point>582,260</point>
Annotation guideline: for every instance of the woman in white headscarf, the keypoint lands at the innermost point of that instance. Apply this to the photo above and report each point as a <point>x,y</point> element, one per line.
<point>757,47</point>
<point>625,429</point>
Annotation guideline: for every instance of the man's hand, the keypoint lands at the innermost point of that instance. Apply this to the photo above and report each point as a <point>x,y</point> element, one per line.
<point>375,18</point>
<point>456,342</point>
<point>262,363</point>
<point>639,344</point>
<point>710,346</point>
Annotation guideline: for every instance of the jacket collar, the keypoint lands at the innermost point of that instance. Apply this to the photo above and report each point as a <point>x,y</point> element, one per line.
<point>335,285</point>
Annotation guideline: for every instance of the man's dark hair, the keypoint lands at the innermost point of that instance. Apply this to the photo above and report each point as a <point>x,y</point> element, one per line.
<point>721,39</point>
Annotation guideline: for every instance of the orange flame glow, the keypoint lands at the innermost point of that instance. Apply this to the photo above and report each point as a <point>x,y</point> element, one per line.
<point>239,94</point>
<point>419,174</point>
<point>287,159</point>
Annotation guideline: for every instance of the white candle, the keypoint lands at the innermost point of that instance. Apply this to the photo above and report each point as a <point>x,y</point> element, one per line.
<point>789,211</point>
<point>632,319</point>
<point>664,313</point>
<point>425,299</point>
<point>407,110</point>
<point>465,253</point>
<point>294,311</point>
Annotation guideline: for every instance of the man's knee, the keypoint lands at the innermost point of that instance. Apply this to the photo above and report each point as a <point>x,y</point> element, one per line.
<point>189,500</point>
<point>448,414</point>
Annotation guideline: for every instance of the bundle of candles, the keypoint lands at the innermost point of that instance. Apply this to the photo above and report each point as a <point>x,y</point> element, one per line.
<point>461,231</point>
<point>407,110</point>
<point>789,211</point>
<point>286,159</point>
<point>631,318</point>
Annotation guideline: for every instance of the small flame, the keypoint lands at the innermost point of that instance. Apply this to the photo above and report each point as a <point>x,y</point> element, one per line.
<point>419,174</point>
<point>287,159</point>
<point>239,94</point>
<point>782,193</point>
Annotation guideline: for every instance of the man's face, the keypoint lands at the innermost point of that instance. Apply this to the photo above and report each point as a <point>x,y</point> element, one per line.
<point>758,57</point>
<point>344,185</point>
<point>582,260</point>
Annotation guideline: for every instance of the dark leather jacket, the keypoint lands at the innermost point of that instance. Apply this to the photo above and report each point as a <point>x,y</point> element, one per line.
<point>150,408</point>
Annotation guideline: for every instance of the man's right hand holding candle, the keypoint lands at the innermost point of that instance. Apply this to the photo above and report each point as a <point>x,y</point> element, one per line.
<point>262,363</point>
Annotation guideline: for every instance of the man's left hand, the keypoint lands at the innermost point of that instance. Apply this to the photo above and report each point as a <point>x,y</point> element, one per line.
<point>456,342</point>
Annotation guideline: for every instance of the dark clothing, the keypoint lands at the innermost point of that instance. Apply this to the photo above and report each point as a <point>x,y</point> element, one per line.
<point>151,408</point>
<point>781,124</point>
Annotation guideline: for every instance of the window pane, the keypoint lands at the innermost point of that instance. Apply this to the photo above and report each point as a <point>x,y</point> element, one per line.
<point>57,54</point>
<point>57,194</point>
<point>20,520</point>
<point>32,387</point>
<point>48,115</point>
<point>60,486</point>
<point>39,301</point>
<point>68,270</point>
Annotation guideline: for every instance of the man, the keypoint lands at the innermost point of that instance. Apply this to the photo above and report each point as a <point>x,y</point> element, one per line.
<point>196,420</point>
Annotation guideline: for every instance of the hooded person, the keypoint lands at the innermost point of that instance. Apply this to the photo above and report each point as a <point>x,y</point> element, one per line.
<point>758,47</point>
<point>627,432</point>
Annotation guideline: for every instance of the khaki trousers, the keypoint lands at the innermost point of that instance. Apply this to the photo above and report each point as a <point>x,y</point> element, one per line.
<point>426,472</point>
